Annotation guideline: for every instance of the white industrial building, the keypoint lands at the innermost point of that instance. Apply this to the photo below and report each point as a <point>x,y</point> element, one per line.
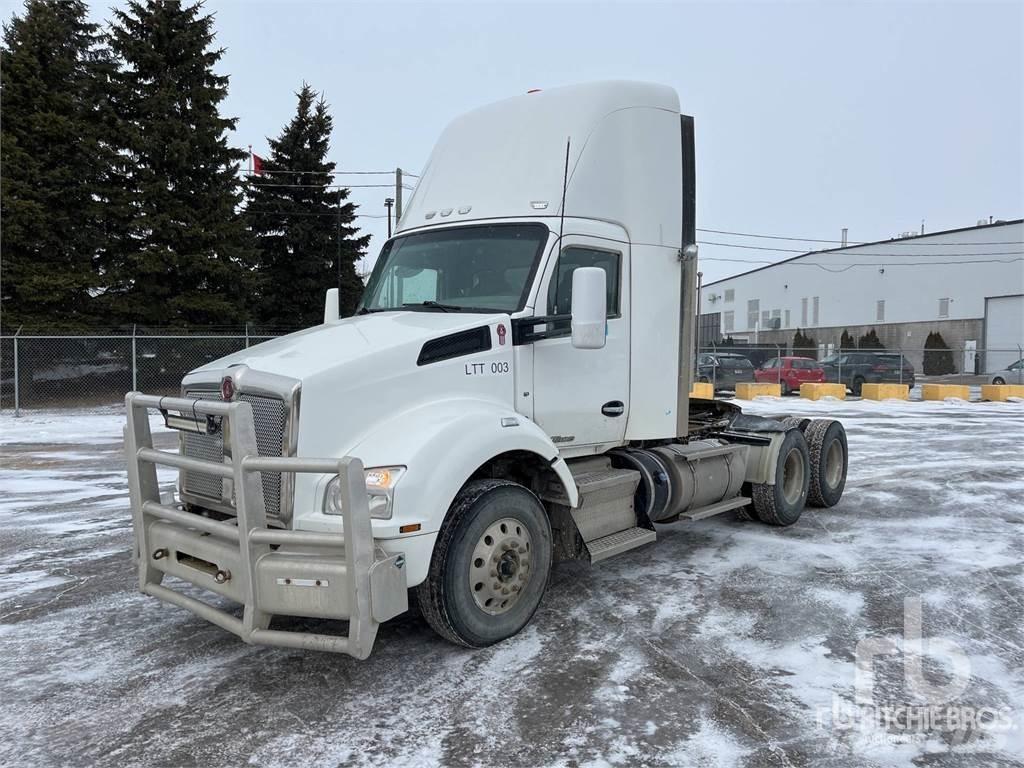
<point>967,284</point>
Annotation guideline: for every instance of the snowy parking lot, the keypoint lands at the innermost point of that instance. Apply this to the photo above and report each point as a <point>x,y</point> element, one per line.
<point>726,643</point>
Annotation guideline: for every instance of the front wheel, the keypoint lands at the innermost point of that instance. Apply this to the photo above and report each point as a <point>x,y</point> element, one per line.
<point>490,564</point>
<point>858,386</point>
<point>998,380</point>
<point>783,502</point>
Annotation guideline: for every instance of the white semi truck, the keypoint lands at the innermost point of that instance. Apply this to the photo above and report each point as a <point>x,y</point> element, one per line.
<point>512,391</point>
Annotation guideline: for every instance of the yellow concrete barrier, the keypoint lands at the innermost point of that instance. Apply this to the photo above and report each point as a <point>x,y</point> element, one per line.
<point>885,392</point>
<point>702,390</point>
<point>942,391</point>
<point>811,391</point>
<point>748,390</point>
<point>998,393</point>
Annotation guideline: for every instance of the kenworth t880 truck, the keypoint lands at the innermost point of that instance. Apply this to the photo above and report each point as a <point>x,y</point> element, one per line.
<point>512,391</point>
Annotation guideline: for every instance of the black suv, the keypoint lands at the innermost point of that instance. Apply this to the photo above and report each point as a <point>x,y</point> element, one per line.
<point>723,369</point>
<point>855,369</point>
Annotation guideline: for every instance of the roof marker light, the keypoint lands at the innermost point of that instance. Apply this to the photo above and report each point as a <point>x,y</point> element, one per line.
<point>466,209</point>
<point>538,205</point>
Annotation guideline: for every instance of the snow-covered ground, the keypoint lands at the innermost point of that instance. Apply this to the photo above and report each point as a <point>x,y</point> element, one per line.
<point>723,644</point>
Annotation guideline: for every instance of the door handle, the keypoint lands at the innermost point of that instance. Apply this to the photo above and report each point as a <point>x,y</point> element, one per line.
<point>613,408</point>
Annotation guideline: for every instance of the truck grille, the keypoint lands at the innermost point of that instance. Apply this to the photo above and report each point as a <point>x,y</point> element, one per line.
<point>269,416</point>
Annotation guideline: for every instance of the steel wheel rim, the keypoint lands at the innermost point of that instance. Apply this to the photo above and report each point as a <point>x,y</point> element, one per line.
<point>793,476</point>
<point>834,464</point>
<point>501,566</point>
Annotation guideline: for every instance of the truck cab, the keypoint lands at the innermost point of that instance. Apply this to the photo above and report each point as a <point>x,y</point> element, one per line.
<point>513,390</point>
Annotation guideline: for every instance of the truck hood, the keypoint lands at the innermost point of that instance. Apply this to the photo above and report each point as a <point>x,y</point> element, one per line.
<point>306,353</point>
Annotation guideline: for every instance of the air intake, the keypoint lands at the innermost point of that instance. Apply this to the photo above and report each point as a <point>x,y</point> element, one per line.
<point>455,345</point>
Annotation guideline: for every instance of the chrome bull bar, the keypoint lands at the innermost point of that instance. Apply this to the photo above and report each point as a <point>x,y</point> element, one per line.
<point>269,571</point>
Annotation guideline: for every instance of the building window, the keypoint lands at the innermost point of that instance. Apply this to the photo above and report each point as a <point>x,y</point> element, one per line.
<point>753,310</point>
<point>764,318</point>
<point>730,295</point>
<point>803,312</point>
<point>880,311</point>
<point>787,319</point>
<point>728,320</point>
<point>943,307</point>
<point>816,317</point>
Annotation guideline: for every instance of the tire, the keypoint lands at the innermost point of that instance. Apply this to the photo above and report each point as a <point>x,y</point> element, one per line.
<point>998,380</point>
<point>786,391</point>
<point>462,598</point>
<point>783,502</point>
<point>826,443</point>
<point>858,385</point>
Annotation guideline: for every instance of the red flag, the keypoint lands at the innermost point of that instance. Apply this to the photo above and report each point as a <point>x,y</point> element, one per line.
<point>257,164</point>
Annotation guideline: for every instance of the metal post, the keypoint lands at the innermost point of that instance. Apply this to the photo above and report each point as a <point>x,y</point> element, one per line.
<point>135,368</point>
<point>17,383</point>
<point>337,257</point>
<point>247,335</point>
<point>388,202</point>
<point>398,196</point>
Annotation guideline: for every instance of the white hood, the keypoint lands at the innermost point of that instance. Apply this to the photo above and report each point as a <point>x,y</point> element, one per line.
<point>306,353</point>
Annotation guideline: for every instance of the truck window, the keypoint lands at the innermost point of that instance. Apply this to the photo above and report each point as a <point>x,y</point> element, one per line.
<point>480,268</point>
<point>560,287</point>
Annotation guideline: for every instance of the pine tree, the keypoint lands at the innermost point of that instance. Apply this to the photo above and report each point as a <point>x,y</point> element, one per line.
<point>804,346</point>
<point>870,340</point>
<point>186,249</point>
<point>303,226</point>
<point>55,159</point>
<point>938,357</point>
<point>847,342</point>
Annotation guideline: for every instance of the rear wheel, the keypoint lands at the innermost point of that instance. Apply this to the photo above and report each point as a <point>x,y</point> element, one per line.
<point>998,380</point>
<point>784,386</point>
<point>829,455</point>
<point>783,502</point>
<point>490,564</point>
<point>858,385</point>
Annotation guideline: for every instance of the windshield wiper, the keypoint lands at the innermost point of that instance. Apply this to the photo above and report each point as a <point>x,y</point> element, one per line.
<point>434,305</point>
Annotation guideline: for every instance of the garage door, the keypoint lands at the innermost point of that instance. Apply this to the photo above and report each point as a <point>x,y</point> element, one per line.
<point>1004,330</point>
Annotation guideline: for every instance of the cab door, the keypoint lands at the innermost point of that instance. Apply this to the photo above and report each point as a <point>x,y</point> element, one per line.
<point>581,396</point>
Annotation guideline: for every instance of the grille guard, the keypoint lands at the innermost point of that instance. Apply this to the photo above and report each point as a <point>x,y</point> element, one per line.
<point>269,571</point>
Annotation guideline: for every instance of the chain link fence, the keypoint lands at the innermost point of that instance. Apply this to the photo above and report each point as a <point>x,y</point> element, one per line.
<point>58,371</point>
<point>726,365</point>
<point>55,371</point>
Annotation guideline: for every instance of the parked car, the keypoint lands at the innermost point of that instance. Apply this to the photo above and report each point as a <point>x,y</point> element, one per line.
<point>1011,374</point>
<point>855,369</point>
<point>790,372</point>
<point>724,369</point>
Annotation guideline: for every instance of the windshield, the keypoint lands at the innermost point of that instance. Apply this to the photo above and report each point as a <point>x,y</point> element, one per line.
<point>483,268</point>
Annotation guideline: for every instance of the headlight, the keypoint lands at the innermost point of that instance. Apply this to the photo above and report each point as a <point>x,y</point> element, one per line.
<point>380,486</point>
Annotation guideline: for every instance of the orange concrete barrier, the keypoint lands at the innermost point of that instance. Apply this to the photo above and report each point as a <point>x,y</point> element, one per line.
<point>748,390</point>
<point>942,391</point>
<point>811,391</point>
<point>702,390</point>
<point>999,393</point>
<point>885,392</point>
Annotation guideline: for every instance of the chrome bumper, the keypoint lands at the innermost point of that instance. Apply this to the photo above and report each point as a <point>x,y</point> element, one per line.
<point>268,570</point>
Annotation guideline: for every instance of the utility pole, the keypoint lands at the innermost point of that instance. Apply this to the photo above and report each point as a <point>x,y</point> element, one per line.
<point>398,196</point>
<point>700,281</point>
<point>388,202</point>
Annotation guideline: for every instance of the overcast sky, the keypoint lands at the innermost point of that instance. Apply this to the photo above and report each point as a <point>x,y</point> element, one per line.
<point>810,117</point>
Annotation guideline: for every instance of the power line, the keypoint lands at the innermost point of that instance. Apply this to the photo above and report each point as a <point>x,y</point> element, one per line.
<point>845,267</point>
<point>265,185</point>
<point>849,244</point>
<point>333,214</point>
<point>901,255</point>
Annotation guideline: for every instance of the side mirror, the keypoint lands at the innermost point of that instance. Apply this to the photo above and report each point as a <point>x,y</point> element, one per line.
<point>331,308</point>
<point>589,308</point>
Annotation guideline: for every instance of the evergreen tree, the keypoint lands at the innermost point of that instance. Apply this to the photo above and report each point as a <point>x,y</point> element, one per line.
<point>804,346</point>
<point>847,342</point>
<point>938,357</point>
<point>870,340</point>
<point>55,161</point>
<point>303,227</point>
<point>186,250</point>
